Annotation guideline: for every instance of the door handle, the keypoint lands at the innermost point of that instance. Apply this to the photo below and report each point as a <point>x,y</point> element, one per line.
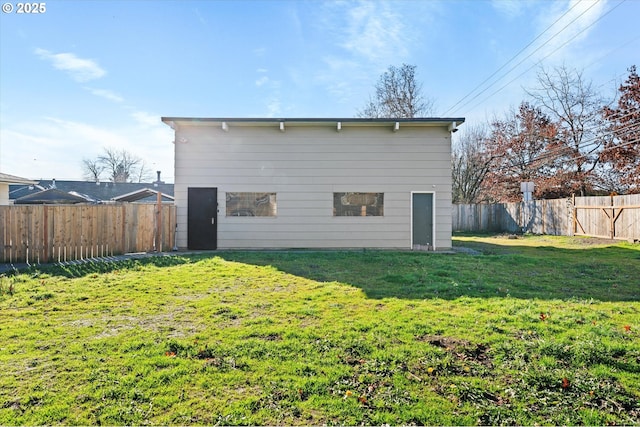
<point>213,221</point>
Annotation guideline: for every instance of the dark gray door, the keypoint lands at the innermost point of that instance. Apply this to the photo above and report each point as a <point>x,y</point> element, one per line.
<point>202,218</point>
<point>422,219</point>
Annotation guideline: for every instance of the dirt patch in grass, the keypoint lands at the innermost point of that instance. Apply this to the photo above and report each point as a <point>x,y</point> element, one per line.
<point>592,241</point>
<point>448,343</point>
<point>581,241</point>
<point>460,348</point>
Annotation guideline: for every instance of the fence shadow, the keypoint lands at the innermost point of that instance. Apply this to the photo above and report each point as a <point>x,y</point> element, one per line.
<point>81,268</point>
<point>548,273</point>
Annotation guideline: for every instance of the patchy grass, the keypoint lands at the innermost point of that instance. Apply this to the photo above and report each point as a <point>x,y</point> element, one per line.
<point>539,330</point>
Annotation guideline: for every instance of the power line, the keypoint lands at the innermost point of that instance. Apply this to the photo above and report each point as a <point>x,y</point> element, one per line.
<point>542,59</point>
<point>561,151</point>
<point>596,140</point>
<point>613,147</point>
<point>611,51</point>
<point>531,54</point>
<point>626,129</point>
<point>512,58</point>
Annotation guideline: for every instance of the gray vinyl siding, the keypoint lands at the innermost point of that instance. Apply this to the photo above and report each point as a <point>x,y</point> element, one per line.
<point>304,166</point>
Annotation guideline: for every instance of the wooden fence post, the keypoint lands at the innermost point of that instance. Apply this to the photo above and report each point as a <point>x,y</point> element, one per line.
<point>124,228</point>
<point>574,228</point>
<point>45,232</point>
<point>159,222</point>
<point>612,220</point>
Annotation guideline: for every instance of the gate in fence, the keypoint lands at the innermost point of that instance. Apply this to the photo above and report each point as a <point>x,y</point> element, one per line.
<point>612,217</point>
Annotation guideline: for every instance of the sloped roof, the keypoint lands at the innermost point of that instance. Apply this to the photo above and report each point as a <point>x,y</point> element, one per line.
<point>50,196</point>
<point>102,191</point>
<point>140,194</point>
<point>12,179</point>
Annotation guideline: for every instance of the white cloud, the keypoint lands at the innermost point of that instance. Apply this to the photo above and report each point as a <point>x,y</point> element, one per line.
<point>200,17</point>
<point>146,119</point>
<point>274,107</point>
<point>36,158</point>
<point>54,148</point>
<point>106,94</point>
<point>262,80</point>
<point>579,19</point>
<point>92,135</point>
<point>81,70</point>
<point>260,51</point>
<point>341,91</point>
<point>333,76</point>
<point>375,32</point>
<point>510,8</point>
<point>363,38</point>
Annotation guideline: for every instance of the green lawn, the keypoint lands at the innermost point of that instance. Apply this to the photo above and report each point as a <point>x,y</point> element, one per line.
<point>538,330</point>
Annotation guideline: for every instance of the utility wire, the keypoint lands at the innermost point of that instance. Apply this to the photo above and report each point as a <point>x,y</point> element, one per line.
<point>563,151</point>
<point>566,150</point>
<point>611,51</point>
<point>596,140</point>
<point>529,56</point>
<point>512,58</point>
<point>545,57</point>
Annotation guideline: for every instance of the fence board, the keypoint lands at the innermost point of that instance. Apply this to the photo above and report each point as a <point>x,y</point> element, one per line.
<point>41,233</point>
<point>600,216</point>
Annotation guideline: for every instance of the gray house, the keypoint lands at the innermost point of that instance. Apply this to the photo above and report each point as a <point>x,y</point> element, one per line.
<point>313,183</point>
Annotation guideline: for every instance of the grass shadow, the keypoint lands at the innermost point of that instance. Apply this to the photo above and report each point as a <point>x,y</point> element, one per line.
<point>604,274</point>
<point>517,271</point>
<point>75,269</point>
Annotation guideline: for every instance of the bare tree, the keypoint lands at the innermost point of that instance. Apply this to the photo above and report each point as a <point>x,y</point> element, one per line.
<point>470,163</point>
<point>575,105</point>
<point>398,95</point>
<point>118,165</point>
<point>92,169</point>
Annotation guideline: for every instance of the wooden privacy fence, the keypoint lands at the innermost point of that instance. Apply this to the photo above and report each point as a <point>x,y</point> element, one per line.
<point>613,217</point>
<point>55,233</point>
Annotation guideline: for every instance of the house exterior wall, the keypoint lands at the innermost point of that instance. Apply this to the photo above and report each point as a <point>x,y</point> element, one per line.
<point>304,166</point>
<point>4,194</point>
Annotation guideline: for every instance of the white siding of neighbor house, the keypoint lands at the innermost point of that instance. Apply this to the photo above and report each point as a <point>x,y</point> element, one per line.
<point>4,194</point>
<point>304,166</point>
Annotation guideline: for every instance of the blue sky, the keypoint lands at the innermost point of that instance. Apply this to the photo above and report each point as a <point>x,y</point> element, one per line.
<point>90,74</point>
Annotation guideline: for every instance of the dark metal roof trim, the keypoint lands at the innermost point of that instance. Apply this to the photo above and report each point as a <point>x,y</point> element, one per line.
<point>442,120</point>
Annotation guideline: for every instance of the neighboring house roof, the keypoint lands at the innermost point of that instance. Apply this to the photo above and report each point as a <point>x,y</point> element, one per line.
<point>50,196</point>
<point>141,194</point>
<point>94,191</point>
<point>12,179</point>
